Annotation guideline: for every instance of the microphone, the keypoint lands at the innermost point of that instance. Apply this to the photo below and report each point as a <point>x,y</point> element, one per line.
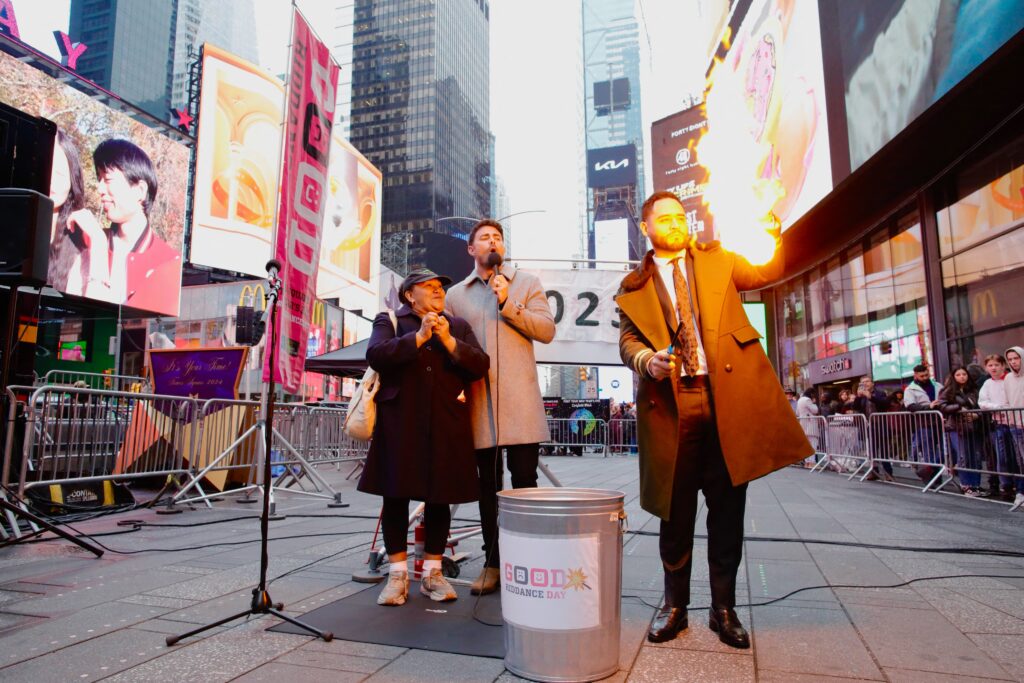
<point>494,260</point>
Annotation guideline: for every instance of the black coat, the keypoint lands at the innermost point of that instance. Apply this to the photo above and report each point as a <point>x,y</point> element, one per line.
<point>422,445</point>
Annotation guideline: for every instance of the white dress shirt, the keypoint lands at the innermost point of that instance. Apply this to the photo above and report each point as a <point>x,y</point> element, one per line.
<point>665,269</point>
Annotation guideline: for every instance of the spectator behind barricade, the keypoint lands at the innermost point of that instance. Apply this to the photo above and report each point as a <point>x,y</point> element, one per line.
<point>869,400</point>
<point>807,405</point>
<point>923,394</point>
<point>1015,420</point>
<point>960,394</point>
<point>827,405</point>
<point>1006,431</point>
<point>978,373</point>
<point>791,396</point>
<point>615,427</point>
<point>895,401</point>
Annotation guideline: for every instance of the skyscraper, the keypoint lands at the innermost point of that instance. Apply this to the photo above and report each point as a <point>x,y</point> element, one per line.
<point>614,126</point>
<point>420,113</point>
<point>139,49</point>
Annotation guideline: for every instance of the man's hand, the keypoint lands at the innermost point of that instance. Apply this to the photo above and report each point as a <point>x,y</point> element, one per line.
<point>935,403</point>
<point>426,330</point>
<point>661,365</point>
<point>499,285</point>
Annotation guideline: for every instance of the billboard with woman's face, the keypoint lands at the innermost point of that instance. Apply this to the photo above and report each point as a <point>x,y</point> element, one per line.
<point>118,188</point>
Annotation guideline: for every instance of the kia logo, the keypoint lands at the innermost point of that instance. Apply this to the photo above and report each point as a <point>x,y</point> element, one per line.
<point>611,165</point>
<point>683,156</point>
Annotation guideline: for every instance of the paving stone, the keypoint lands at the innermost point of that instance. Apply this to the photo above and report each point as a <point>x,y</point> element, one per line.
<point>1005,649</point>
<point>349,647</point>
<point>769,676</point>
<point>920,640</point>
<point>333,661</point>
<point>810,641</point>
<point>912,676</point>
<point>660,665</point>
<point>277,672</point>
<point>219,657</point>
<point>971,616</point>
<point>437,667</point>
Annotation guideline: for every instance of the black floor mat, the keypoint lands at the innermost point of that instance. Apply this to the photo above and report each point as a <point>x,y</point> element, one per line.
<point>420,623</point>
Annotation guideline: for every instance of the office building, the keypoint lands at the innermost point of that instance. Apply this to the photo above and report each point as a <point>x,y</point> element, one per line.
<point>420,112</point>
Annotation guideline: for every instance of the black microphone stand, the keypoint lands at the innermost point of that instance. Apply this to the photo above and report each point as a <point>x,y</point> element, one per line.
<point>261,601</point>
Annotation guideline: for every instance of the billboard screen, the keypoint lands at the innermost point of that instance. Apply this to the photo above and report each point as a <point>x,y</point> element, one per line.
<point>611,166</point>
<point>900,57</point>
<point>677,169</point>
<point>772,85</point>
<point>119,195</point>
<point>237,170</point>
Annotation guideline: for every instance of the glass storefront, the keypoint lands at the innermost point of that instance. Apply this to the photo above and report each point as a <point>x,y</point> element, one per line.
<point>874,293</point>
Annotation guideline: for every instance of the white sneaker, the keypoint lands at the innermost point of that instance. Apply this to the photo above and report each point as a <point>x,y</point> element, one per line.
<point>396,590</point>
<point>1017,502</point>
<point>436,587</point>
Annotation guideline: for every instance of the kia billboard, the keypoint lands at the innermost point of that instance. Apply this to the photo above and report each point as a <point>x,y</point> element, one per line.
<point>237,171</point>
<point>118,188</point>
<point>611,166</point>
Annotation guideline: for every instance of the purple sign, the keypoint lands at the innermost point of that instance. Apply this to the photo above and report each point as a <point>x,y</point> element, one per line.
<point>198,373</point>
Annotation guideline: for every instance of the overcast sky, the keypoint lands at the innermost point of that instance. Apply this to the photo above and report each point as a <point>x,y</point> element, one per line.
<point>535,87</point>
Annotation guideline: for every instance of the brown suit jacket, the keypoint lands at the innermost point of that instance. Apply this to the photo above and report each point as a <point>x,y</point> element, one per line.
<point>756,425</point>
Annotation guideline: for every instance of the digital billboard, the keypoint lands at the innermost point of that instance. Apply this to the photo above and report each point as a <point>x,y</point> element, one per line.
<point>611,166</point>
<point>770,115</point>
<point>900,57</point>
<point>677,169</point>
<point>118,188</point>
<point>237,170</point>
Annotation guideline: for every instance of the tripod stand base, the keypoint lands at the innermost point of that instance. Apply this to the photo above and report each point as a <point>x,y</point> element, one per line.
<point>261,604</point>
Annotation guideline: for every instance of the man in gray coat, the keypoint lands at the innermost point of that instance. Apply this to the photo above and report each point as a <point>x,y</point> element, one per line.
<point>508,311</point>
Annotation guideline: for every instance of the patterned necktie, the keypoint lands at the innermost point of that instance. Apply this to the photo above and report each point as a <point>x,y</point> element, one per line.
<point>688,336</point>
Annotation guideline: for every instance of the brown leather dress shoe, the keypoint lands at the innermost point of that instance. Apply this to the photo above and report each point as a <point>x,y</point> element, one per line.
<point>487,582</point>
<point>727,625</point>
<point>667,624</point>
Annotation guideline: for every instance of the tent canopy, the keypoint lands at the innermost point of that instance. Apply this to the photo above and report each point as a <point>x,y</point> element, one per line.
<point>349,361</point>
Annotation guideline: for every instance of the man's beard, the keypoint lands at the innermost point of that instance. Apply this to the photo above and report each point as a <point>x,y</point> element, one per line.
<point>673,242</point>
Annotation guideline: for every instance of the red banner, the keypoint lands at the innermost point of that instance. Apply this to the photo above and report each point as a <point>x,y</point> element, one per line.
<point>312,83</point>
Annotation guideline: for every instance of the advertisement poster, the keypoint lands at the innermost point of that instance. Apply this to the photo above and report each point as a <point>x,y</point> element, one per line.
<point>312,86</point>
<point>118,188</point>
<point>550,583</point>
<point>677,169</point>
<point>241,115</point>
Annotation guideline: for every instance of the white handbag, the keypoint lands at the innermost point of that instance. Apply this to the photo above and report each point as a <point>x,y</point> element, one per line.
<point>362,411</point>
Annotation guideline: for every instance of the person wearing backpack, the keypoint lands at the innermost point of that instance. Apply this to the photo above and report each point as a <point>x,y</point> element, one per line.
<point>422,446</point>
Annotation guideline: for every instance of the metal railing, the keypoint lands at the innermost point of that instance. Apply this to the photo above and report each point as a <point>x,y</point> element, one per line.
<point>95,380</point>
<point>575,436</point>
<point>815,429</point>
<point>986,450</point>
<point>622,436</point>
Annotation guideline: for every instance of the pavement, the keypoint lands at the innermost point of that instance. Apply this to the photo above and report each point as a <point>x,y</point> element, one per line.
<point>67,616</point>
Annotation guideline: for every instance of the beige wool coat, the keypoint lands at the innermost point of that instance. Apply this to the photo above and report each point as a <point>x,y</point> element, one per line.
<point>514,414</point>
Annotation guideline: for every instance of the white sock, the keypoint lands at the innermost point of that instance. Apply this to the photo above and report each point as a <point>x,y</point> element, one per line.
<point>399,567</point>
<point>431,564</point>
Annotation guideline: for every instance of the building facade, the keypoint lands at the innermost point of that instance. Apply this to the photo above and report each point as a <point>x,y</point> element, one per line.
<point>142,51</point>
<point>614,125</point>
<point>420,113</point>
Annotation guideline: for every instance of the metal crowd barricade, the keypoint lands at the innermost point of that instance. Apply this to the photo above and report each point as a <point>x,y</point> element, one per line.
<point>986,450</point>
<point>227,445</point>
<point>95,380</point>
<point>327,442</point>
<point>77,435</point>
<point>622,436</point>
<point>574,436</point>
<point>911,439</point>
<point>815,429</point>
<point>846,437</point>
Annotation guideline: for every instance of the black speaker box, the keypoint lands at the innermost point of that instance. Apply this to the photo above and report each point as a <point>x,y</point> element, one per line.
<point>25,218</point>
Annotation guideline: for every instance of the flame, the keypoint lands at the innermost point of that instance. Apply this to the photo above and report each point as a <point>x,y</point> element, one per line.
<point>742,186</point>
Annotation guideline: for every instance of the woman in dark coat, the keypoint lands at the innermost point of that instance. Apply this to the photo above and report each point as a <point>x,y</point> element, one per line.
<point>422,447</point>
<point>960,394</point>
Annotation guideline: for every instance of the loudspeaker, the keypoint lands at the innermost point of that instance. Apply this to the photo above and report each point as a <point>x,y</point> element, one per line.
<point>25,218</point>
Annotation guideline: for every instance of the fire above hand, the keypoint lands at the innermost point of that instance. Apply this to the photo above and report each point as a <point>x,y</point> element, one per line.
<point>741,187</point>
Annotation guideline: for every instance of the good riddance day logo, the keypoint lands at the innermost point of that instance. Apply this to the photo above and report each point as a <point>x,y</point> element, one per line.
<point>543,583</point>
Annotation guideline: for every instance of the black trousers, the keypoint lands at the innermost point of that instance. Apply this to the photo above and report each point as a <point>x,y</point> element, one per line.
<point>522,464</point>
<point>701,467</point>
<point>437,518</point>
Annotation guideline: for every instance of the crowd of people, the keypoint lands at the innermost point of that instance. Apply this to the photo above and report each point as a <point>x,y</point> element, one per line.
<point>982,408</point>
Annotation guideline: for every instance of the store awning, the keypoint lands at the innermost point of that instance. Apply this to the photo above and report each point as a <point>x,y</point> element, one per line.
<point>349,361</point>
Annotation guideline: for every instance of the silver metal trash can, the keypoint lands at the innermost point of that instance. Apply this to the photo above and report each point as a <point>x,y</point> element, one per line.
<point>561,581</point>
